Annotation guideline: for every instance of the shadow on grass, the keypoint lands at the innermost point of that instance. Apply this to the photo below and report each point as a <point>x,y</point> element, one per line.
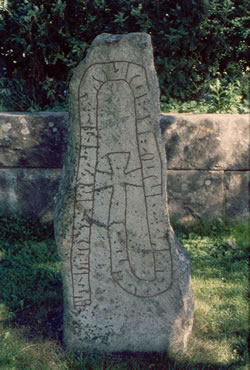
<point>31,290</point>
<point>30,279</point>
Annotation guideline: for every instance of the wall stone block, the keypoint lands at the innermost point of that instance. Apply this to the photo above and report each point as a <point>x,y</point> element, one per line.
<point>237,188</point>
<point>196,145</point>
<point>206,141</point>
<point>30,192</point>
<point>195,194</point>
<point>32,140</point>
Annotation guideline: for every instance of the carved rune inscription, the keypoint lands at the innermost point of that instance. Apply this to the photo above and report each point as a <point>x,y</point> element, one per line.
<point>114,157</point>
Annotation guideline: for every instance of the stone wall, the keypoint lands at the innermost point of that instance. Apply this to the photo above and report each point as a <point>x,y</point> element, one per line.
<point>208,164</point>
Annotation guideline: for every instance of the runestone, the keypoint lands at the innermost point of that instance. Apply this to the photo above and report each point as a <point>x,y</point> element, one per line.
<point>126,278</point>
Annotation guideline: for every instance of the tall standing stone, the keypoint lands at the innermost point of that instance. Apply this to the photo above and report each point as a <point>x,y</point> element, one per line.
<point>126,278</point>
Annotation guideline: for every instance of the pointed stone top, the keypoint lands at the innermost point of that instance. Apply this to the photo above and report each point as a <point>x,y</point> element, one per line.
<point>120,267</point>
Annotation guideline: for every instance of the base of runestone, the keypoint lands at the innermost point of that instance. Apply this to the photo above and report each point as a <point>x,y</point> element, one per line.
<point>126,278</point>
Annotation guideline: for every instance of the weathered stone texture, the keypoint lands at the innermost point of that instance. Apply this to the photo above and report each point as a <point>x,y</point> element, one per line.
<point>35,140</point>
<point>207,141</point>
<point>126,278</point>
<point>208,163</point>
<point>29,191</point>
<point>237,190</point>
<point>195,195</point>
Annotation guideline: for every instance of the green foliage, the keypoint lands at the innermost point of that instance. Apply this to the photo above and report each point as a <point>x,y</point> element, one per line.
<point>226,97</point>
<point>25,276</point>
<point>16,228</point>
<point>193,41</point>
<point>241,235</point>
<point>30,299</point>
<point>223,244</point>
<point>222,96</point>
<point>219,259</point>
<point>213,228</point>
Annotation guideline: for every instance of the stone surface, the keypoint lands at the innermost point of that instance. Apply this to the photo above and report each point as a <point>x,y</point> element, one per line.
<point>207,141</point>
<point>29,191</point>
<point>195,195</point>
<point>40,144</point>
<point>32,140</point>
<point>126,278</point>
<point>237,190</point>
<point>193,141</point>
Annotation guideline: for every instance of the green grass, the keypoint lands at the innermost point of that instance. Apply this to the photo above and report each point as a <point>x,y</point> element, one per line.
<point>31,301</point>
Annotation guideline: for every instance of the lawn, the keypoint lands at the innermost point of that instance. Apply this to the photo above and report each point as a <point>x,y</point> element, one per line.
<point>31,301</point>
